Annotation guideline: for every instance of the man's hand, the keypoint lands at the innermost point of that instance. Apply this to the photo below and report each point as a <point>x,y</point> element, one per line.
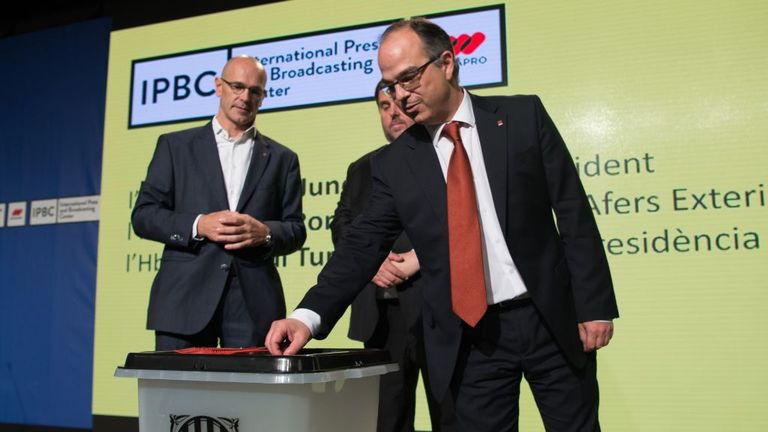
<point>290,330</point>
<point>233,230</point>
<point>595,334</point>
<point>409,264</point>
<point>389,275</point>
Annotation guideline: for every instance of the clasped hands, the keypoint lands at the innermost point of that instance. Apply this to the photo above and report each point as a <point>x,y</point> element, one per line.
<point>396,269</point>
<point>232,229</point>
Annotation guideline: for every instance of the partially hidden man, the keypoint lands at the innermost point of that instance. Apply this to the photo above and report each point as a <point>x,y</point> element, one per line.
<point>516,282</point>
<point>224,199</point>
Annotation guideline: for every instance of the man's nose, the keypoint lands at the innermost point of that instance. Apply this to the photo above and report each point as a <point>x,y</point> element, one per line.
<point>244,96</point>
<point>401,94</point>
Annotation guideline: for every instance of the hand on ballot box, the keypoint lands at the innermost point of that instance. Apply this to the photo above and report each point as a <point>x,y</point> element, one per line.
<point>287,337</point>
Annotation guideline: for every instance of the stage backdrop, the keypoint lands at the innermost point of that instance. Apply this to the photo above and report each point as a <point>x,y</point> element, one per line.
<point>663,105</point>
<point>51,126</point>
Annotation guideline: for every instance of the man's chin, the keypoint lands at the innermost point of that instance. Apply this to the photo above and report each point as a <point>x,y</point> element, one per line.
<point>397,130</point>
<point>245,119</point>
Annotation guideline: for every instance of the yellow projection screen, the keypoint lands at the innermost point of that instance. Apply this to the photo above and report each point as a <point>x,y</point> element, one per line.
<point>663,106</point>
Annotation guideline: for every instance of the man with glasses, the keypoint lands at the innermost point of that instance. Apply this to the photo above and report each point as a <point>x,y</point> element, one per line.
<point>225,200</point>
<point>387,312</point>
<point>516,281</point>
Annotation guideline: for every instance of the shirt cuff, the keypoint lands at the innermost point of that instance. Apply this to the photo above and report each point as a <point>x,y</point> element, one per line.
<point>309,318</point>
<point>194,229</point>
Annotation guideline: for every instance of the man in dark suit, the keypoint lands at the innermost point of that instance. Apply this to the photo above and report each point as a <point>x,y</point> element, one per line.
<point>548,296</point>
<point>387,312</point>
<point>224,199</point>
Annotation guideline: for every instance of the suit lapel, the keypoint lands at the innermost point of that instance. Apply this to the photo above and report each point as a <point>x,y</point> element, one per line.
<point>426,168</point>
<point>492,130</point>
<point>259,159</point>
<point>210,164</point>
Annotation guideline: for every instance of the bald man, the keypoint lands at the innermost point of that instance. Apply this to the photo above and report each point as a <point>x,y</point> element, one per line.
<point>224,199</point>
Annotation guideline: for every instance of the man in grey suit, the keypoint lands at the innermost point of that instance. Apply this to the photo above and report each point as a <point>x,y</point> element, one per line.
<point>540,291</point>
<point>225,200</point>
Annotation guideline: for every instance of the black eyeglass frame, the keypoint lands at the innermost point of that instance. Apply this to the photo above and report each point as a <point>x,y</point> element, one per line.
<point>238,88</point>
<point>407,82</point>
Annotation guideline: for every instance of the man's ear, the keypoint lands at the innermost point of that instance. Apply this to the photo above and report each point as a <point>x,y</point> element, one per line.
<point>449,61</point>
<point>217,81</point>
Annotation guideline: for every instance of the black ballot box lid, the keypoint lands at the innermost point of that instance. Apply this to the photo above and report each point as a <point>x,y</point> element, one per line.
<point>306,361</point>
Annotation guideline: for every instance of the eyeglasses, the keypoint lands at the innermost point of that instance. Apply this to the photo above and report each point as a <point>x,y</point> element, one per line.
<point>409,80</point>
<point>238,88</point>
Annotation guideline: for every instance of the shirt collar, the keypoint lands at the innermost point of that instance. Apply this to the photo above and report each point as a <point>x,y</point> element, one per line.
<point>464,114</point>
<point>221,133</point>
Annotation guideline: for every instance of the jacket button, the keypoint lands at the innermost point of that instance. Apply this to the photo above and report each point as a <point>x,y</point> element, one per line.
<point>224,267</point>
<point>175,237</point>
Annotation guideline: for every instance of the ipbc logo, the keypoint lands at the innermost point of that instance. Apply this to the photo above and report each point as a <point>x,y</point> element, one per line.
<point>174,88</point>
<point>177,87</point>
<point>467,44</point>
<point>43,212</point>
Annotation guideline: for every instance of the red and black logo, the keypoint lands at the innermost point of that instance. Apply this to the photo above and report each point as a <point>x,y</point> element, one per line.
<point>466,44</point>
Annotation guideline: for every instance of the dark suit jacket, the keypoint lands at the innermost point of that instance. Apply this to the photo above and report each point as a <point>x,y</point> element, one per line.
<point>531,174</point>
<point>184,180</point>
<point>365,312</point>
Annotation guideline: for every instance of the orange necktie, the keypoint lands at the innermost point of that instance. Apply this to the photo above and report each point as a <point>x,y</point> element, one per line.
<point>468,296</point>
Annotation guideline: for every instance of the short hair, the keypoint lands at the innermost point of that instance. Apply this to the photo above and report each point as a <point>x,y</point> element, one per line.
<point>434,40</point>
<point>378,91</point>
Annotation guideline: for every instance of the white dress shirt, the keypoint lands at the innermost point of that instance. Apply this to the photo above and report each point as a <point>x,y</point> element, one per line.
<point>235,157</point>
<point>502,280</point>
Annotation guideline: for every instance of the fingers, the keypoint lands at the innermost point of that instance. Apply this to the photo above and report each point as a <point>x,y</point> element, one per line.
<point>234,230</point>
<point>208,223</point>
<point>395,257</point>
<point>385,280</point>
<point>275,337</point>
<point>392,272</point>
<point>595,334</point>
<point>409,265</point>
<point>381,282</point>
<point>234,219</point>
<point>292,331</point>
<point>240,245</point>
<point>294,347</point>
<point>389,275</point>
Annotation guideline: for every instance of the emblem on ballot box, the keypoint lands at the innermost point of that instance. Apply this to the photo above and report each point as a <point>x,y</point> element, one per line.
<point>187,423</point>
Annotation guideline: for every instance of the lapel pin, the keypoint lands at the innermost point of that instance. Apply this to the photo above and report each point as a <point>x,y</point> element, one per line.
<point>499,122</point>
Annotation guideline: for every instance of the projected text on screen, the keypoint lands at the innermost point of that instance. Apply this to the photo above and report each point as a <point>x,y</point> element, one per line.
<point>322,68</point>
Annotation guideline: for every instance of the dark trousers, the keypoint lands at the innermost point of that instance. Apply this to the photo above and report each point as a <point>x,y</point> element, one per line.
<point>397,390</point>
<point>231,325</point>
<point>506,345</point>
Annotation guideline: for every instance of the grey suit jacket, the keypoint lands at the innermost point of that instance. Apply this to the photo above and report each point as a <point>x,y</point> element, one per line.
<point>184,180</point>
<point>531,175</point>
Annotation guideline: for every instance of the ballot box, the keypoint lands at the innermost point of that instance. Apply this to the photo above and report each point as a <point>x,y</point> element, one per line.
<point>317,390</point>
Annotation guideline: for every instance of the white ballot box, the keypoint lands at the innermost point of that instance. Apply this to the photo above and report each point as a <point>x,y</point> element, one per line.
<point>317,390</point>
